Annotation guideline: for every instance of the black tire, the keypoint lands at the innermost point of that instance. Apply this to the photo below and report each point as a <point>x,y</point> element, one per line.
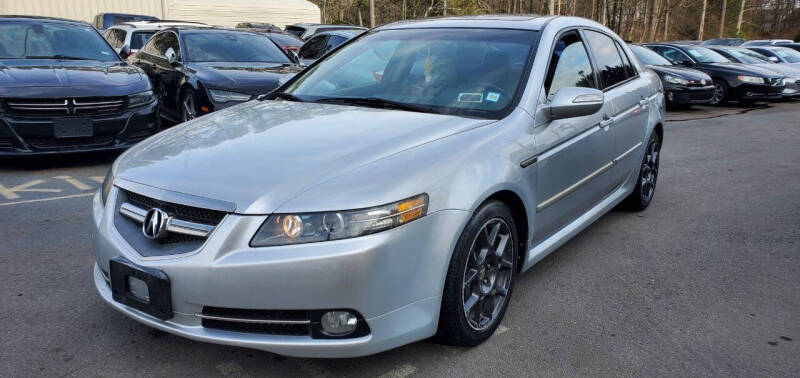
<point>645,187</point>
<point>721,92</point>
<point>496,279</point>
<point>186,113</point>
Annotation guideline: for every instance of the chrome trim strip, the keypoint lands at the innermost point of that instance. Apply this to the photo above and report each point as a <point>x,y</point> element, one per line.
<point>246,320</point>
<point>626,153</point>
<point>177,226</point>
<point>175,197</point>
<point>573,187</point>
<point>586,179</point>
<point>37,103</point>
<point>112,102</point>
<point>529,161</point>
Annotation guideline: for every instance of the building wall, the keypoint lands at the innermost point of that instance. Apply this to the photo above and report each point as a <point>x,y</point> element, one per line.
<point>214,12</point>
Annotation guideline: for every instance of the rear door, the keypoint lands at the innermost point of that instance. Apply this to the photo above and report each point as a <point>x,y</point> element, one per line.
<point>626,102</point>
<point>575,153</point>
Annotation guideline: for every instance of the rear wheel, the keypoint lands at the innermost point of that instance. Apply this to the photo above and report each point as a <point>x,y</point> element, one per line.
<point>648,176</point>
<point>720,96</point>
<point>480,277</point>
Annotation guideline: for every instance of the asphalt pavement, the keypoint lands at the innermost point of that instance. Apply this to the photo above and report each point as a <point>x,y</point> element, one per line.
<point>704,282</point>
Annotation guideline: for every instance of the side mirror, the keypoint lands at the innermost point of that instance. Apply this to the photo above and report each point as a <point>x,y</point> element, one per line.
<point>774,59</point>
<point>687,63</point>
<point>172,58</point>
<point>125,52</point>
<point>571,102</point>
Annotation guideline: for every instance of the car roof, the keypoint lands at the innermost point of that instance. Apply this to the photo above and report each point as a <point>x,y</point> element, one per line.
<point>342,33</point>
<point>41,18</point>
<point>208,29</point>
<point>488,21</point>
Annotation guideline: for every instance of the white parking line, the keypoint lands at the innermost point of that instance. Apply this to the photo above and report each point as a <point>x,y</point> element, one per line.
<point>46,199</point>
<point>11,193</point>
<point>75,182</point>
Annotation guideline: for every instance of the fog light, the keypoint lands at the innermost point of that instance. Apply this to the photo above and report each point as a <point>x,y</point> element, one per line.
<point>338,323</point>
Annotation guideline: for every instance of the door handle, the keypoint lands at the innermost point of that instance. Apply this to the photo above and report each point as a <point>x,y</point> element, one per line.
<point>606,122</point>
<point>643,103</point>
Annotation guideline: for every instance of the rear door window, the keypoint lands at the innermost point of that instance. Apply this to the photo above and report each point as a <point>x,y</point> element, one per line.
<point>313,48</point>
<point>610,66</point>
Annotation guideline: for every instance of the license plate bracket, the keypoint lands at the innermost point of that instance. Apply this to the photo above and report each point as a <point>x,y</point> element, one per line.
<point>73,128</point>
<point>158,288</point>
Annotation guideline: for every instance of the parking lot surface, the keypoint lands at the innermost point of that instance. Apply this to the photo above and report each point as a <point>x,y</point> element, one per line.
<point>704,282</point>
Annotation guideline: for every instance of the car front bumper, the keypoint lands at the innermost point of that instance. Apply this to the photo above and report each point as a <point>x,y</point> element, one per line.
<point>394,279</point>
<point>681,94</point>
<point>792,89</point>
<point>26,135</point>
<point>757,92</point>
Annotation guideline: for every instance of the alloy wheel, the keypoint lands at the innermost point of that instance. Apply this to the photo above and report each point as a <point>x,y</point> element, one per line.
<point>649,175</point>
<point>487,274</point>
<point>719,93</point>
<point>189,112</point>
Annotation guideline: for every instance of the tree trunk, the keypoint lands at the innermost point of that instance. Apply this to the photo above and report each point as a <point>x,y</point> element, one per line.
<point>444,7</point>
<point>551,7</point>
<point>372,13</point>
<point>739,20</point>
<point>666,23</point>
<point>404,10</point>
<point>702,20</point>
<point>360,20</point>
<point>722,18</point>
<point>603,12</point>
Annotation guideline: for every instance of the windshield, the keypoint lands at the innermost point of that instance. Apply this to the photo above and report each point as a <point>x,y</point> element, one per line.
<point>743,57</point>
<point>139,38</point>
<point>470,72</point>
<point>285,39</point>
<point>649,57</point>
<point>788,54</point>
<point>42,40</point>
<point>232,47</point>
<point>704,55</point>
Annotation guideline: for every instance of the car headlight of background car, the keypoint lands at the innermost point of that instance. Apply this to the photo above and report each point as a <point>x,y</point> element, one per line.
<point>219,95</point>
<point>751,79</point>
<point>675,80</point>
<point>108,183</point>
<point>141,98</point>
<point>282,229</point>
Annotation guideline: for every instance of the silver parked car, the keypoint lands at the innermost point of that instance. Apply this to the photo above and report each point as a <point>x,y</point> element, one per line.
<point>352,212</point>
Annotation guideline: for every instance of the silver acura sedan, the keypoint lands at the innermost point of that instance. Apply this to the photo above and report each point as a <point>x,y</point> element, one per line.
<point>390,192</point>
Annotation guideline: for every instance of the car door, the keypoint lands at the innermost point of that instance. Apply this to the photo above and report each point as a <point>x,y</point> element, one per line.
<point>152,58</point>
<point>170,73</point>
<point>626,100</point>
<point>312,49</point>
<point>574,154</point>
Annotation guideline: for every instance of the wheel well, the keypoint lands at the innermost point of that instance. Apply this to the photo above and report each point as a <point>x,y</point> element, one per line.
<point>517,208</point>
<point>659,130</point>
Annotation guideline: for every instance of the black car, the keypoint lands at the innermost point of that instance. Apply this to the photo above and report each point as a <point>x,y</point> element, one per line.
<point>794,46</point>
<point>60,96</point>
<point>732,81</point>
<point>196,71</point>
<point>682,86</point>
<point>723,42</point>
<point>322,43</point>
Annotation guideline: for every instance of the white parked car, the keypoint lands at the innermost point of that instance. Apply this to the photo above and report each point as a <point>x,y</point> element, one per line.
<point>135,34</point>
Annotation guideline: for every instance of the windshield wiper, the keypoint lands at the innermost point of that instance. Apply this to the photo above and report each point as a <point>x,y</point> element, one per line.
<point>376,102</point>
<point>286,96</point>
<point>57,56</point>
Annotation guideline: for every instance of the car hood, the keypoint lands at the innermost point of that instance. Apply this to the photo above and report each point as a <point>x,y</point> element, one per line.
<point>780,68</point>
<point>69,78</point>
<point>737,68</point>
<point>250,78</point>
<point>260,154</point>
<point>683,72</point>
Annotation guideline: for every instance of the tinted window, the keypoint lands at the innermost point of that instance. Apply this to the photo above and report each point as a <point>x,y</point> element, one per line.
<point>610,67</point>
<point>231,47</point>
<point>704,55</point>
<point>138,39</point>
<point>294,30</point>
<point>333,42</point>
<point>649,57</point>
<point>625,61</point>
<point>160,43</point>
<point>50,40</point>
<point>150,46</point>
<point>670,53</point>
<point>285,40</point>
<point>741,57</point>
<point>569,66</point>
<point>313,48</point>
<point>474,72</point>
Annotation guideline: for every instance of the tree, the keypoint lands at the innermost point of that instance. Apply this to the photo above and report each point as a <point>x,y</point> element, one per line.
<point>722,18</point>
<point>702,20</point>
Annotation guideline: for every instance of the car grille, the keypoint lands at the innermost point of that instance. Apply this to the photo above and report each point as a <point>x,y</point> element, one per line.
<point>64,106</point>
<point>212,217</point>
<point>270,322</point>
<point>69,142</point>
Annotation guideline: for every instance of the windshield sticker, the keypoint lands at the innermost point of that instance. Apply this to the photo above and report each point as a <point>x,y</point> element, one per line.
<point>493,97</point>
<point>104,53</point>
<point>470,97</point>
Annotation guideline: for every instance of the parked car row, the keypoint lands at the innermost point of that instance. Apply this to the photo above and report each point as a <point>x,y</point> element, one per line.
<point>715,74</point>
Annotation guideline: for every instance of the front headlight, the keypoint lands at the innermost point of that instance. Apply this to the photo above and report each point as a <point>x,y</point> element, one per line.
<point>105,189</point>
<point>675,80</point>
<point>751,79</point>
<point>282,229</point>
<point>141,98</point>
<point>219,96</point>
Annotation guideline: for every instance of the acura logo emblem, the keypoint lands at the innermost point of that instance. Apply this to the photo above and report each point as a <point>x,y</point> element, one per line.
<point>155,223</point>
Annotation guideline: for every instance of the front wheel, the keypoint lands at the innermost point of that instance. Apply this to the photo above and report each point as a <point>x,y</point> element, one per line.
<point>188,106</point>
<point>648,175</point>
<point>720,93</point>
<point>480,277</point>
